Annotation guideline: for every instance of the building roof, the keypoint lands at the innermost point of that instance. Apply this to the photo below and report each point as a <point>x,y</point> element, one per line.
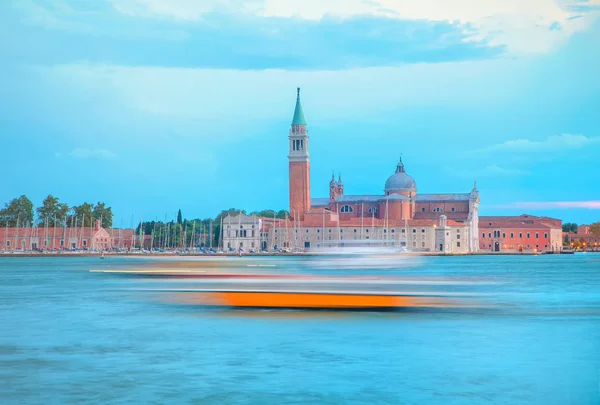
<point>359,198</point>
<point>400,181</point>
<point>319,202</point>
<point>524,221</point>
<point>443,197</point>
<point>298,113</point>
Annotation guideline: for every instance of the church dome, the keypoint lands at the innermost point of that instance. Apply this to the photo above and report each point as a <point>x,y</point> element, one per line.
<point>400,181</point>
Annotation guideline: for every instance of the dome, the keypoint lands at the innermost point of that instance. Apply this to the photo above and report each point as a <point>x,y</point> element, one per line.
<point>400,181</point>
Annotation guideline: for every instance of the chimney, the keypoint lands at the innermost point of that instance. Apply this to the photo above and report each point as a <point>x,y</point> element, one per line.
<point>97,224</point>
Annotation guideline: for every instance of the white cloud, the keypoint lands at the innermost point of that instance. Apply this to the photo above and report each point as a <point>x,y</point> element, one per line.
<point>593,205</point>
<point>552,143</point>
<point>487,171</point>
<point>525,26</point>
<point>85,153</point>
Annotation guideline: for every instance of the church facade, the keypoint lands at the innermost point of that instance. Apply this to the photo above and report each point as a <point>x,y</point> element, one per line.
<point>400,215</point>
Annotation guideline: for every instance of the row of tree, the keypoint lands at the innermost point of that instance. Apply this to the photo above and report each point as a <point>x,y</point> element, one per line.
<point>20,212</point>
<point>195,232</point>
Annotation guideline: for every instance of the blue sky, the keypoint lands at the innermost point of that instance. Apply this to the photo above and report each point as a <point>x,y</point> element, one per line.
<point>155,105</point>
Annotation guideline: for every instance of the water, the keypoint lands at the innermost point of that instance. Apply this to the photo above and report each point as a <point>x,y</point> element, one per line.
<point>69,336</point>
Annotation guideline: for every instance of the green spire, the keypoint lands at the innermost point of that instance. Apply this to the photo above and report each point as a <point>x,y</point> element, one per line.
<point>298,113</point>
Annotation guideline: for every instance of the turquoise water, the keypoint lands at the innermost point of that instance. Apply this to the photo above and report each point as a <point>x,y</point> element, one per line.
<point>69,336</point>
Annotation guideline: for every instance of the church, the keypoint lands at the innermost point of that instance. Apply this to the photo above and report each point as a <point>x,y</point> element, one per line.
<point>401,216</point>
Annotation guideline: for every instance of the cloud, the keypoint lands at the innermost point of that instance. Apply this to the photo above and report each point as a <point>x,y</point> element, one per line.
<point>487,171</point>
<point>593,205</point>
<point>242,41</point>
<point>84,153</point>
<point>552,143</point>
<point>523,26</point>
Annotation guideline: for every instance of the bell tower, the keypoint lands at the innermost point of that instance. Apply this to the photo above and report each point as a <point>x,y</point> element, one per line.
<point>299,162</point>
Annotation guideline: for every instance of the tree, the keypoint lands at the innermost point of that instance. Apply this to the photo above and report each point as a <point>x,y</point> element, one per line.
<point>84,212</point>
<point>569,227</point>
<point>179,220</point>
<point>52,212</point>
<point>17,210</point>
<point>595,229</point>
<point>103,213</point>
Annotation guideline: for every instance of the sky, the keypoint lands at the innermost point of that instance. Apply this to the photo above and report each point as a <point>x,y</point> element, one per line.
<point>157,105</point>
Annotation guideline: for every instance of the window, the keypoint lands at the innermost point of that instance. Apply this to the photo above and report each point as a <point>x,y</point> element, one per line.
<point>403,230</point>
<point>84,242</point>
<point>528,235</point>
<point>346,209</point>
<point>520,234</point>
<point>7,243</point>
<point>354,230</point>
<point>545,235</point>
<point>537,235</point>
<point>504,234</point>
<point>422,244</point>
<point>373,210</point>
<point>489,223</point>
<point>385,231</point>
<point>252,244</point>
<point>457,244</point>
<point>483,234</point>
<point>489,234</point>
<point>329,230</point>
<point>62,243</point>
<point>452,209</point>
<point>307,231</point>
<point>341,230</point>
<point>422,230</point>
<point>367,231</point>
<point>422,209</point>
<point>458,235</point>
<point>253,235</point>
<point>537,246</point>
<point>241,226</point>
<point>414,230</point>
<point>393,231</point>
<point>275,230</point>
<point>512,235</point>
<point>438,209</point>
<point>414,244</point>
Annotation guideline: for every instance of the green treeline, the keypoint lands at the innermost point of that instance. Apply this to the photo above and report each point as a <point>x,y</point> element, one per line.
<point>20,212</point>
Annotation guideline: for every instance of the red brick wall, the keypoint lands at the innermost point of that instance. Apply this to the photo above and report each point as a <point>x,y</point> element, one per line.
<point>299,188</point>
<point>520,237</point>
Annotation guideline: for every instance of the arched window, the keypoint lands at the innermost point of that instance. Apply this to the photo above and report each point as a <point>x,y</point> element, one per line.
<point>373,210</point>
<point>346,209</point>
<point>438,209</point>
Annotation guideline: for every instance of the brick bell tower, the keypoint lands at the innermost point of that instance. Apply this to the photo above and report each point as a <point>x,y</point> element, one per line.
<point>299,162</point>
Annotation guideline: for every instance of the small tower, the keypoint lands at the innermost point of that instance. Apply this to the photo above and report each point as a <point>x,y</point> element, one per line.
<point>299,163</point>
<point>332,188</point>
<point>340,185</point>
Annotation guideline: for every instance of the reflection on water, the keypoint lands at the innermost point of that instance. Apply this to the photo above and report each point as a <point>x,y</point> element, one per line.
<point>71,336</point>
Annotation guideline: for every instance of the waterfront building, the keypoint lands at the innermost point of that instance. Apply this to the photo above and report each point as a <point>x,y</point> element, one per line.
<point>400,215</point>
<point>94,238</point>
<point>583,238</point>
<point>523,233</point>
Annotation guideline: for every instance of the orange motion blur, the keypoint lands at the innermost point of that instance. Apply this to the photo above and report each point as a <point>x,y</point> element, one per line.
<point>311,300</point>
